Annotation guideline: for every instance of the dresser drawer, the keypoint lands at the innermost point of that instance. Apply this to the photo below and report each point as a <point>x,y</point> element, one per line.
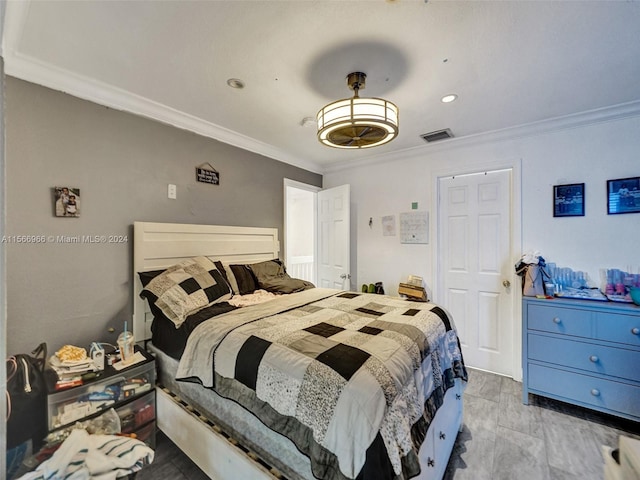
<point>618,328</point>
<point>441,436</point>
<point>605,360</point>
<point>137,413</point>
<point>587,390</point>
<point>565,321</point>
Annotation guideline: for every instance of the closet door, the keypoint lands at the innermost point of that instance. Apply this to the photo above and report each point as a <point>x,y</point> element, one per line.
<point>474,229</point>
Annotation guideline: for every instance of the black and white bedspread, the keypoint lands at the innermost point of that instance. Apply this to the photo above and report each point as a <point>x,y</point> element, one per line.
<point>352,379</point>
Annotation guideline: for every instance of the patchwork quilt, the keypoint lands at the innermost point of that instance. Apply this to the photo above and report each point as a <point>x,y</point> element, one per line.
<point>353,379</point>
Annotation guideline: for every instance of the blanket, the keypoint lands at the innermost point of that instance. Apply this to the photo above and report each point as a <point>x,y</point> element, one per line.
<point>353,379</point>
<point>259,296</point>
<point>103,457</point>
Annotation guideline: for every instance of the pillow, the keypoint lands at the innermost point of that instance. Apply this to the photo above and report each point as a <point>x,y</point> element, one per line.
<point>245,279</point>
<point>187,287</point>
<point>240,277</point>
<point>273,277</point>
<point>270,268</point>
<point>146,277</point>
<point>226,272</point>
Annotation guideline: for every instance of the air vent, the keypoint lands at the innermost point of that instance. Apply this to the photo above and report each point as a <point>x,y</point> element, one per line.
<point>437,135</point>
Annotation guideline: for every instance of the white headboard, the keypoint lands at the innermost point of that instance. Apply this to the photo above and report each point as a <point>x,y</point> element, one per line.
<point>160,245</point>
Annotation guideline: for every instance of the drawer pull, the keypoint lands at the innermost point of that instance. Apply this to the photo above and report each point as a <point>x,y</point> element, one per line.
<point>595,392</point>
<point>594,358</point>
<point>556,320</point>
<point>442,436</point>
<point>457,396</point>
<point>635,331</point>
<point>431,462</point>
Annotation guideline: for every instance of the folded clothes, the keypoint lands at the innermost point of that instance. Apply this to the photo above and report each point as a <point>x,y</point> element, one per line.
<point>104,457</point>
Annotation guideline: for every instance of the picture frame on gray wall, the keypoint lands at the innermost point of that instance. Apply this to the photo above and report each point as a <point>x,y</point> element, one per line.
<point>66,202</point>
<point>623,195</point>
<point>568,200</point>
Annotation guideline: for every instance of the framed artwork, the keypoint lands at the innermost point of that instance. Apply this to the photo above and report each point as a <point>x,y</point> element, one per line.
<point>623,195</point>
<point>66,201</point>
<point>568,200</point>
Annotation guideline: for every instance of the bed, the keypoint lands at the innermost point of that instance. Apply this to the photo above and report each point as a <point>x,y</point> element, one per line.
<point>316,383</point>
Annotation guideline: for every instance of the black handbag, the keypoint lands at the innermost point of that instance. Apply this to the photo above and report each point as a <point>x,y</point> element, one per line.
<point>27,398</point>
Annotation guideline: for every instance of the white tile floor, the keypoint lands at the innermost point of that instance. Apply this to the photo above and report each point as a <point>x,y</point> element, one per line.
<point>504,439</point>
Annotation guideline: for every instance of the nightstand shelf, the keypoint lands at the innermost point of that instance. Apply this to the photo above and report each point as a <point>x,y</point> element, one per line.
<point>130,392</point>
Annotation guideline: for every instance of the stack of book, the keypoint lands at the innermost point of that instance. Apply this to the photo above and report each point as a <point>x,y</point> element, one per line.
<point>412,292</point>
<point>70,371</point>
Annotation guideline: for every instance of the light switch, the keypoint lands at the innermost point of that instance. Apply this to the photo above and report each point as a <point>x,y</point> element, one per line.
<point>171,192</point>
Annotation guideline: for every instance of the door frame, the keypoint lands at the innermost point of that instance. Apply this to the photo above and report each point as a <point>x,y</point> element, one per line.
<point>515,165</point>
<point>311,188</point>
<point>3,267</point>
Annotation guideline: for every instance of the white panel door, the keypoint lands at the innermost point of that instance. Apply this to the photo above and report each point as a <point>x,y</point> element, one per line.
<point>333,237</point>
<point>475,226</point>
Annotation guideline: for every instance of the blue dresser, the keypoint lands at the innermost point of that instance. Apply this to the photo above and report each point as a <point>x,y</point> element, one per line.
<point>583,352</point>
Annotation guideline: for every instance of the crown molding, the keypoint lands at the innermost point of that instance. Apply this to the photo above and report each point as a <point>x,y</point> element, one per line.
<point>27,68</point>
<point>575,120</point>
<point>32,70</point>
<point>50,76</point>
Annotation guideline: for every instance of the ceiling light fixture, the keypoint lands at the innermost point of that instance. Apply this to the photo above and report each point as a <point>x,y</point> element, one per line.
<point>357,122</point>
<point>449,98</point>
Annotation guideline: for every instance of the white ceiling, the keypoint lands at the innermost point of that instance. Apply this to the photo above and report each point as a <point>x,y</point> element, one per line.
<point>511,63</point>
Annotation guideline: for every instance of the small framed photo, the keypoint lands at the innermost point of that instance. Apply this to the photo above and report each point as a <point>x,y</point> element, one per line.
<point>568,200</point>
<point>623,195</point>
<point>66,201</point>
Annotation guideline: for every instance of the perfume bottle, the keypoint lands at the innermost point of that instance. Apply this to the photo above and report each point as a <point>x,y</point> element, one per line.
<point>609,288</point>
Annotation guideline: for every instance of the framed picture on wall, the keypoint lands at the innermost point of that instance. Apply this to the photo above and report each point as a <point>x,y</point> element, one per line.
<point>623,195</point>
<point>66,201</point>
<point>568,200</point>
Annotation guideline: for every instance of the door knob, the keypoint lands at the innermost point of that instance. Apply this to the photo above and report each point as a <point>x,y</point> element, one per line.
<point>506,283</point>
<point>345,275</point>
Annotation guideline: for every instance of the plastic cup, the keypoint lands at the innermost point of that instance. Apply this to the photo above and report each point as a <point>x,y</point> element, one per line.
<point>126,344</point>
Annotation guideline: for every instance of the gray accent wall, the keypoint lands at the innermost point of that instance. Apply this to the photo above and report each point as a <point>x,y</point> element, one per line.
<point>73,292</point>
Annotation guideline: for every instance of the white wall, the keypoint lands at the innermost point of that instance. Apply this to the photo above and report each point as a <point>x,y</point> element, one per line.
<point>589,154</point>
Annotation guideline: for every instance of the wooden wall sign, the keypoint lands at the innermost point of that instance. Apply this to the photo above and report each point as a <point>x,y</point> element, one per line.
<point>207,175</point>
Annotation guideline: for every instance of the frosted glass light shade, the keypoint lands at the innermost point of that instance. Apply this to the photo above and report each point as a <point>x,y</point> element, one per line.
<point>358,123</point>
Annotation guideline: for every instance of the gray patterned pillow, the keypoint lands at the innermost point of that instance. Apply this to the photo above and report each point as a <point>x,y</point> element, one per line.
<point>187,287</point>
